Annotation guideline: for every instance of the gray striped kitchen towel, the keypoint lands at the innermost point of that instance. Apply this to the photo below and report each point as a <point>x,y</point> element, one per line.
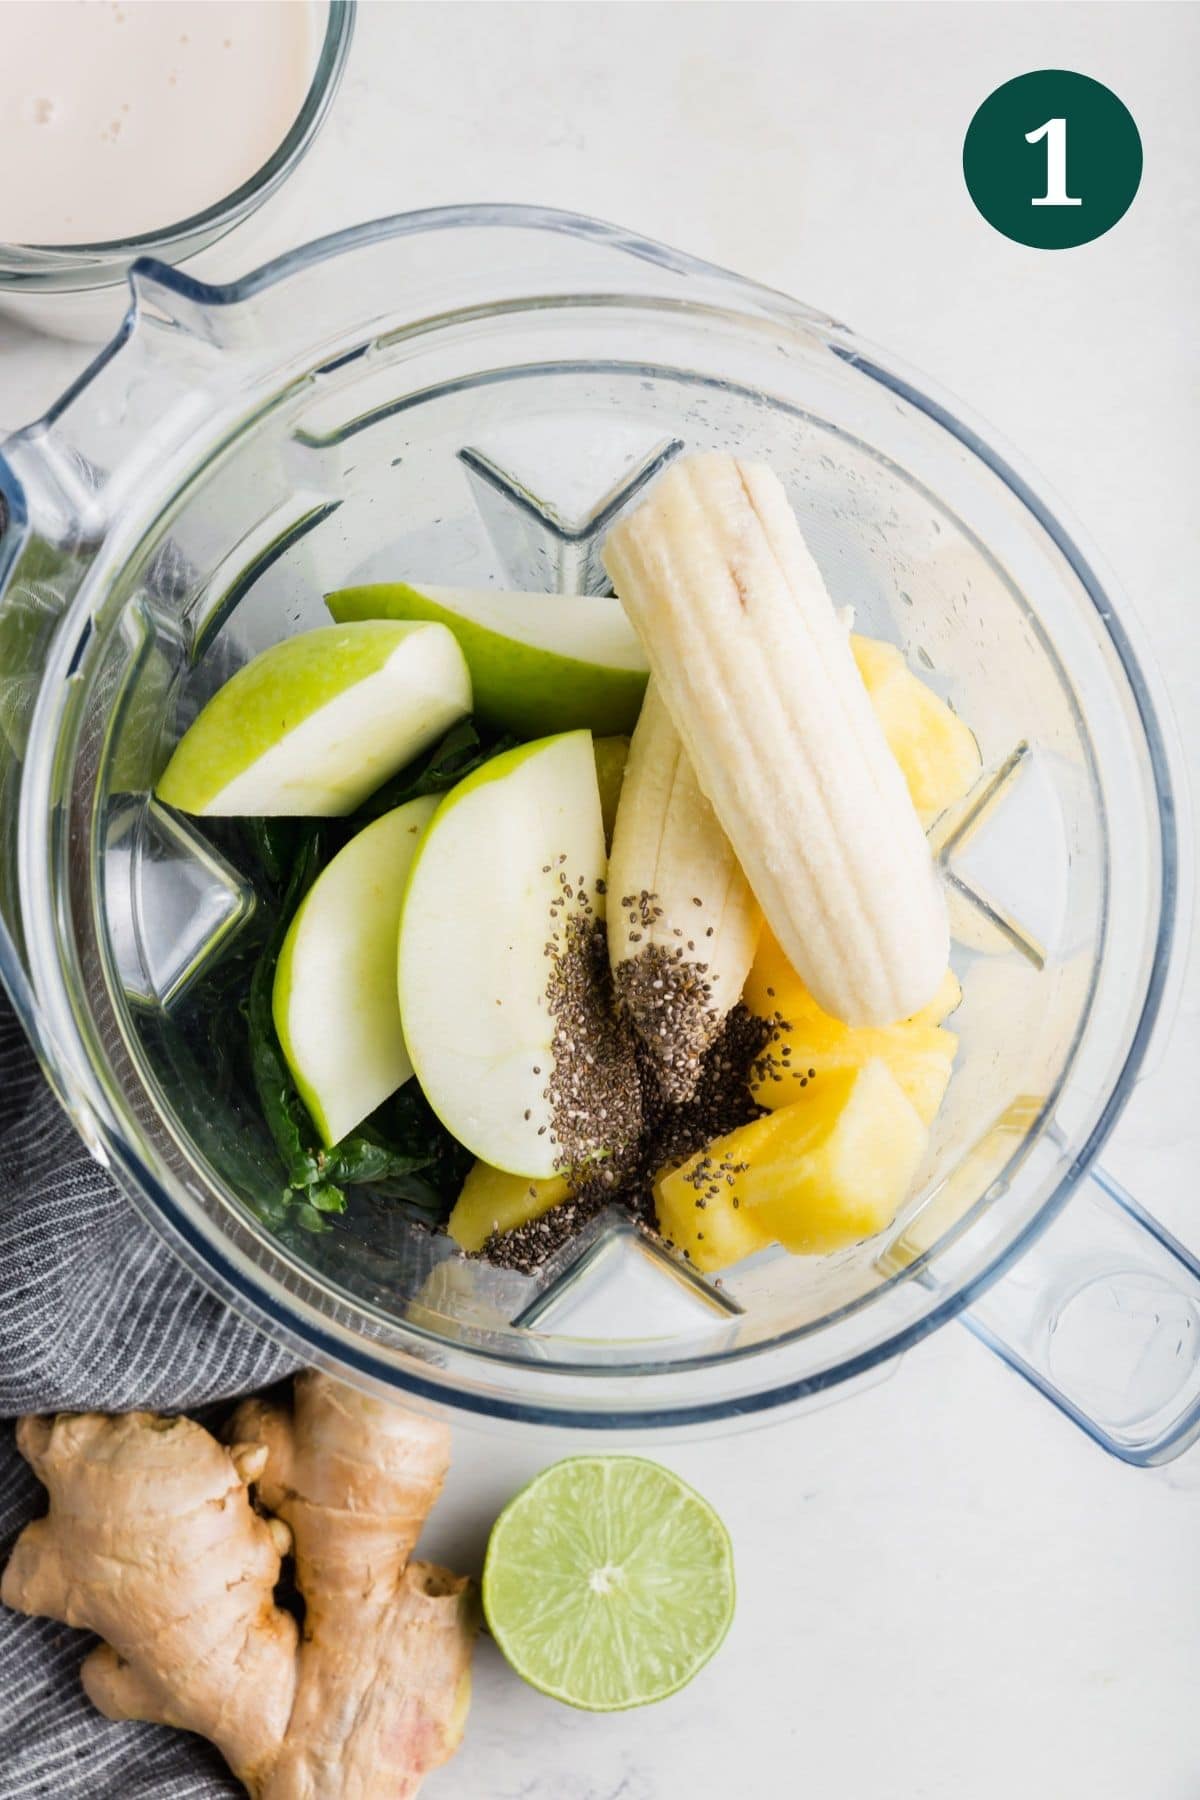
<point>94,1312</point>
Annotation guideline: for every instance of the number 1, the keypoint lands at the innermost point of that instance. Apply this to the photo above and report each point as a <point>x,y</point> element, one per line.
<point>1055,133</point>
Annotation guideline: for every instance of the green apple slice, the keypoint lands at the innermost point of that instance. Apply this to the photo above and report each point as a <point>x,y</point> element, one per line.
<point>503,1014</point>
<point>335,1006</point>
<point>539,663</point>
<point>314,724</point>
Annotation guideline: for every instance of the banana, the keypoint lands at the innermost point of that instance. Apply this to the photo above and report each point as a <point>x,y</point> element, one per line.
<point>683,924</point>
<point>753,664</point>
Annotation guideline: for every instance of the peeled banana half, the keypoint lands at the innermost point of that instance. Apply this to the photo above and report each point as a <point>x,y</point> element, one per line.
<point>682,922</point>
<point>751,663</point>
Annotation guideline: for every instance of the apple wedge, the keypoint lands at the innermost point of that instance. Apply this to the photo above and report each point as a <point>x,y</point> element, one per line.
<point>314,724</point>
<point>503,969</point>
<point>539,663</point>
<point>334,1002</point>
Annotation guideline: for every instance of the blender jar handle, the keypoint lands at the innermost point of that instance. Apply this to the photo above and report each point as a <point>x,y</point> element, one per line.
<point>1102,1316</point>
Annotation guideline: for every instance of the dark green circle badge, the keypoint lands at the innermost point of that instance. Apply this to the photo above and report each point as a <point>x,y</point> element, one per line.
<point>1052,159</point>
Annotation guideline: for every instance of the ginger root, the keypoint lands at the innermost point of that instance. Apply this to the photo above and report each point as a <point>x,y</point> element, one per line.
<point>152,1542</point>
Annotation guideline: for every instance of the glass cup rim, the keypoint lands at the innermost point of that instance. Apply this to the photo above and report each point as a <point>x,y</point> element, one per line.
<point>40,264</point>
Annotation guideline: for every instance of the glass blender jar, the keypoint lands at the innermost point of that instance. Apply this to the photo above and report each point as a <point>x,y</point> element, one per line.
<point>472,395</point>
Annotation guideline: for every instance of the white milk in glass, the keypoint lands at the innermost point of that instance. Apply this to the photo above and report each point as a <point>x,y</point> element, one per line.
<point>123,117</point>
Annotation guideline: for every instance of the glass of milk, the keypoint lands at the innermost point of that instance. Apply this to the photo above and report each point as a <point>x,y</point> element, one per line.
<point>146,128</point>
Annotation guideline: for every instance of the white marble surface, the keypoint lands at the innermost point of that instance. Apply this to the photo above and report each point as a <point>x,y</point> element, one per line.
<point>945,1592</point>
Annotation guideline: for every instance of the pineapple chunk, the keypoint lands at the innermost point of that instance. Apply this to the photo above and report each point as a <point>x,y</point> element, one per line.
<point>947,999</point>
<point>809,1045</point>
<point>920,1058</point>
<point>773,986</point>
<point>814,1177</point>
<point>937,754</point>
<point>707,1222</point>
<point>492,1201</point>
<point>611,754</point>
<point>840,1166</point>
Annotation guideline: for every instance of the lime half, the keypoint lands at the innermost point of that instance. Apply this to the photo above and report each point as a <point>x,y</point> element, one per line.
<point>608,1582</point>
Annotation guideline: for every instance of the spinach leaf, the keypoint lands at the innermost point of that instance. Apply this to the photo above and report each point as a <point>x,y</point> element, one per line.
<point>366,1155</point>
<point>462,750</point>
<point>275,845</point>
<point>408,1122</point>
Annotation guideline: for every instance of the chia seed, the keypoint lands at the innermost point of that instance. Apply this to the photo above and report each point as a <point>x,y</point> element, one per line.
<point>594,1088</point>
<point>667,997</point>
<point>627,1106</point>
<point>528,1246</point>
<point>672,1133</point>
